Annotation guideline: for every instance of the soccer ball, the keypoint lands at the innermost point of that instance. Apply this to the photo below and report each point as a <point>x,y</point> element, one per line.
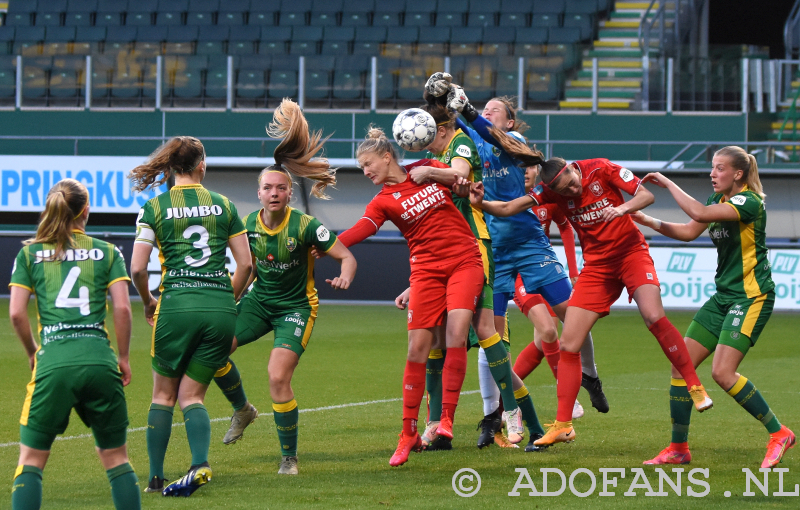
<point>414,129</point>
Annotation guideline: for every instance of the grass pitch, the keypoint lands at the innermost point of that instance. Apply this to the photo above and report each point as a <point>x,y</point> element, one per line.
<point>348,386</point>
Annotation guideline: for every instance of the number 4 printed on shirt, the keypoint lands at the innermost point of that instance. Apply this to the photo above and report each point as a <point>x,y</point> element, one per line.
<point>82,301</point>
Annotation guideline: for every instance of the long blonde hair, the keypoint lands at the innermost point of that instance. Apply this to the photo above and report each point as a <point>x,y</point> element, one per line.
<point>741,160</point>
<point>180,155</point>
<point>377,142</point>
<point>297,148</point>
<point>65,203</point>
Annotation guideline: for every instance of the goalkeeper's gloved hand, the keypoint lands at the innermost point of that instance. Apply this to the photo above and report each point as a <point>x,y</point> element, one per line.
<point>457,100</point>
<point>438,84</point>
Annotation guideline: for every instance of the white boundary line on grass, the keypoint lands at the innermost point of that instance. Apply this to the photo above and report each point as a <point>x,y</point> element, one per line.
<point>225,418</point>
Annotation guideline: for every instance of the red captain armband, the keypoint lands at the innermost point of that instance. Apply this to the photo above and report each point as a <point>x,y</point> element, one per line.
<point>425,162</point>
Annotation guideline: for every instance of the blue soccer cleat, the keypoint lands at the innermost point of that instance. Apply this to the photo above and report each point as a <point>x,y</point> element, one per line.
<point>191,481</point>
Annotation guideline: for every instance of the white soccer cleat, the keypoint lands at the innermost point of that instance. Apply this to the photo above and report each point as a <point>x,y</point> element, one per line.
<point>577,410</point>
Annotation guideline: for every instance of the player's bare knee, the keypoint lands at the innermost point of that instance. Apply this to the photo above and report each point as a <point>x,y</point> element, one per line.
<point>723,376</point>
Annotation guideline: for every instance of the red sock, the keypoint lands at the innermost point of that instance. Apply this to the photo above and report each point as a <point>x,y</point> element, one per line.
<point>680,447</point>
<point>413,390</point>
<point>528,360</point>
<point>671,342</point>
<point>455,367</point>
<point>569,383</point>
<point>552,352</point>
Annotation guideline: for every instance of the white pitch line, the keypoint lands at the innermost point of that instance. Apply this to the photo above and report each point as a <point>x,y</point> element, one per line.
<point>227,418</point>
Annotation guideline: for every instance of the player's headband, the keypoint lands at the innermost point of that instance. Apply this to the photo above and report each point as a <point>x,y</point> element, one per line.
<point>444,123</point>
<point>80,213</point>
<point>549,184</point>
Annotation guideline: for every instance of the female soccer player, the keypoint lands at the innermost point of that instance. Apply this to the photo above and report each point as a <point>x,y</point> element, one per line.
<point>452,147</point>
<point>615,257</point>
<point>284,298</point>
<point>446,275</point>
<point>71,275</point>
<point>731,321</point>
<point>194,318</point>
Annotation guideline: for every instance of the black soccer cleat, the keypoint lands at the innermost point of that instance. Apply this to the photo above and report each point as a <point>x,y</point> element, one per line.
<point>530,447</point>
<point>594,386</point>
<point>489,426</point>
<point>156,484</point>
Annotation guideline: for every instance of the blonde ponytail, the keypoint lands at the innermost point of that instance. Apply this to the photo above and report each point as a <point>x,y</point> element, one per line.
<point>180,155</point>
<point>65,203</point>
<point>741,160</point>
<point>298,146</point>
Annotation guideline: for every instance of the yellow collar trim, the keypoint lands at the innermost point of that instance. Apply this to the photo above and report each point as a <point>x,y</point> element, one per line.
<point>279,227</point>
<point>182,186</point>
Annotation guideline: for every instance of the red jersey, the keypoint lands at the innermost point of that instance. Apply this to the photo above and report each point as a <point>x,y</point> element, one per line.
<point>602,181</point>
<point>547,214</point>
<point>426,216</point>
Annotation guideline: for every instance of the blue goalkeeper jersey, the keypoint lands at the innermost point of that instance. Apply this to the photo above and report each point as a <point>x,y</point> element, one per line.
<point>504,180</point>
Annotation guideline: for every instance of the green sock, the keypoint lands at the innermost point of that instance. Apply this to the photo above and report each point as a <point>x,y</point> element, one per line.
<point>124,487</point>
<point>500,366</point>
<point>747,396</point>
<point>286,417</point>
<point>529,416</point>
<point>26,491</point>
<point>230,382</point>
<point>433,383</point>
<point>198,431</point>
<point>159,428</point>
<point>680,409</point>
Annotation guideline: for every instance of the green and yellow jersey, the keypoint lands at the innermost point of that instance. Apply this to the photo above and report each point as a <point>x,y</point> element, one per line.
<point>283,261</point>
<point>743,267</point>
<point>461,146</point>
<point>71,301</point>
<point>191,226</point>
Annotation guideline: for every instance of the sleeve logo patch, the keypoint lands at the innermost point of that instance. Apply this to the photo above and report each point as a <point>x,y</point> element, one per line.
<point>323,234</point>
<point>538,189</point>
<point>739,199</point>
<point>463,150</point>
<point>626,175</point>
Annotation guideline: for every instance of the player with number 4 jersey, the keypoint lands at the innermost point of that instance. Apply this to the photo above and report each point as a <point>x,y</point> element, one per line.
<point>194,318</point>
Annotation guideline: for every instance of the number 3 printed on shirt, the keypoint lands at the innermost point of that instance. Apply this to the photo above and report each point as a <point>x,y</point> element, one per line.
<point>82,301</point>
<point>200,244</point>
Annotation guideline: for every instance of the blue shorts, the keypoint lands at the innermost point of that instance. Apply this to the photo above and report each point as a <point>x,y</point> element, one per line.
<point>537,265</point>
<point>554,293</point>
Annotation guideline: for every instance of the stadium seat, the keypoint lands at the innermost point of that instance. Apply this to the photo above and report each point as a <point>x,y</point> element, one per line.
<point>205,5</point>
<point>81,5</point>
<point>400,41</point>
<point>583,22</point>
<point>88,40</point>
<point>200,18</point>
<point>499,41</point>
<point>34,77</point>
<point>20,13</point>
<point>57,41</point>
<point>119,39</point>
<point>326,12</point>
<point>294,12</point>
<point>274,40</point>
<point>102,67</point>
<point>149,40</point>
<point>369,40</point>
<point>211,39</point>
<point>319,77</point>
<point>580,7</point>
<point>568,52</point>
<point>483,14</point>
<point>48,19</point>
<point>506,77</point>
<point>6,39</point>
<point>50,5</point>
<point>233,12</point>
<point>28,41</point>
<point>337,40</point>
<point>515,13</point>
<point>67,77</point>
<point>451,13</point>
<point>412,77</point>
<point>419,13</point>
<point>169,18</point>
<point>479,77</point>
<point>356,13</point>
<point>180,40</point>
<point>548,7</point>
<point>350,77</point>
<point>8,76</point>
<point>110,12</point>
<point>139,19</point>
<point>529,42</point>
<point>185,75</point>
<point>561,35</point>
<point>283,78</point>
<point>142,6</point>
<point>388,14</point>
<point>545,21</point>
<point>388,73</point>
<point>216,82</point>
<point>465,42</point>
<point>543,87</point>
<point>433,42</point>
<point>305,41</point>
<point>243,40</point>
<point>263,17</point>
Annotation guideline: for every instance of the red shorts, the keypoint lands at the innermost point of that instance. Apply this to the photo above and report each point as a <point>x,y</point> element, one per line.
<point>435,291</point>
<point>525,301</point>
<point>599,286</point>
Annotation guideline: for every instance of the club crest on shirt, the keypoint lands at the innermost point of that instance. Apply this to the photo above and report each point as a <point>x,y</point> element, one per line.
<point>542,213</point>
<point>496,152</point>
<point>596,189</point>
<point>410,316</point>
<point>447,156</point>
<point>571,204</point>
<point>291,243</point>
<point>396,195</point>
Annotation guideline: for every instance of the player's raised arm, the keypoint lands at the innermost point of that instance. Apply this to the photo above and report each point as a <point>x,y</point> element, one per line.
<point>345,258</point>
<point>496,208</point>
<point>698,212</point>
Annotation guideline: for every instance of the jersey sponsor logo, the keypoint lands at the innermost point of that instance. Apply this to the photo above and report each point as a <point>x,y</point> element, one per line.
<point>649,276</point>
<point>625,174</point>
<point>396,195</point>
<point>495,173</point>
<point>542,213</point>
<point>592,212</point>
<point>486,165</point>
<point>272,265</point>
<point>61,326</point>
<point>295,318</point>
<point>420,202</point>
<point>75,255</point>
<point>198,211</point>
<point>254,234</point>
<point>739,199</point>
<point>270,257</point>
<point>291,243</point>
<point>718,233</point>
<point>323,234</point>
<point>463,150</point>
<point>596,189</point>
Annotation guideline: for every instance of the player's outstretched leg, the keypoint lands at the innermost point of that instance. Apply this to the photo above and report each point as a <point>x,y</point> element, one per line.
<point>680,410</point>
<point>244,413</point>
<point>287,417</point>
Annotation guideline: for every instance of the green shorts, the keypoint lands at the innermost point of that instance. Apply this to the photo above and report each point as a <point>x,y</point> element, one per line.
<point>736,323</point>
<point>292,327</point>
<point>192,343</point>
<point>94,391</point>
<point>486,301</point>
